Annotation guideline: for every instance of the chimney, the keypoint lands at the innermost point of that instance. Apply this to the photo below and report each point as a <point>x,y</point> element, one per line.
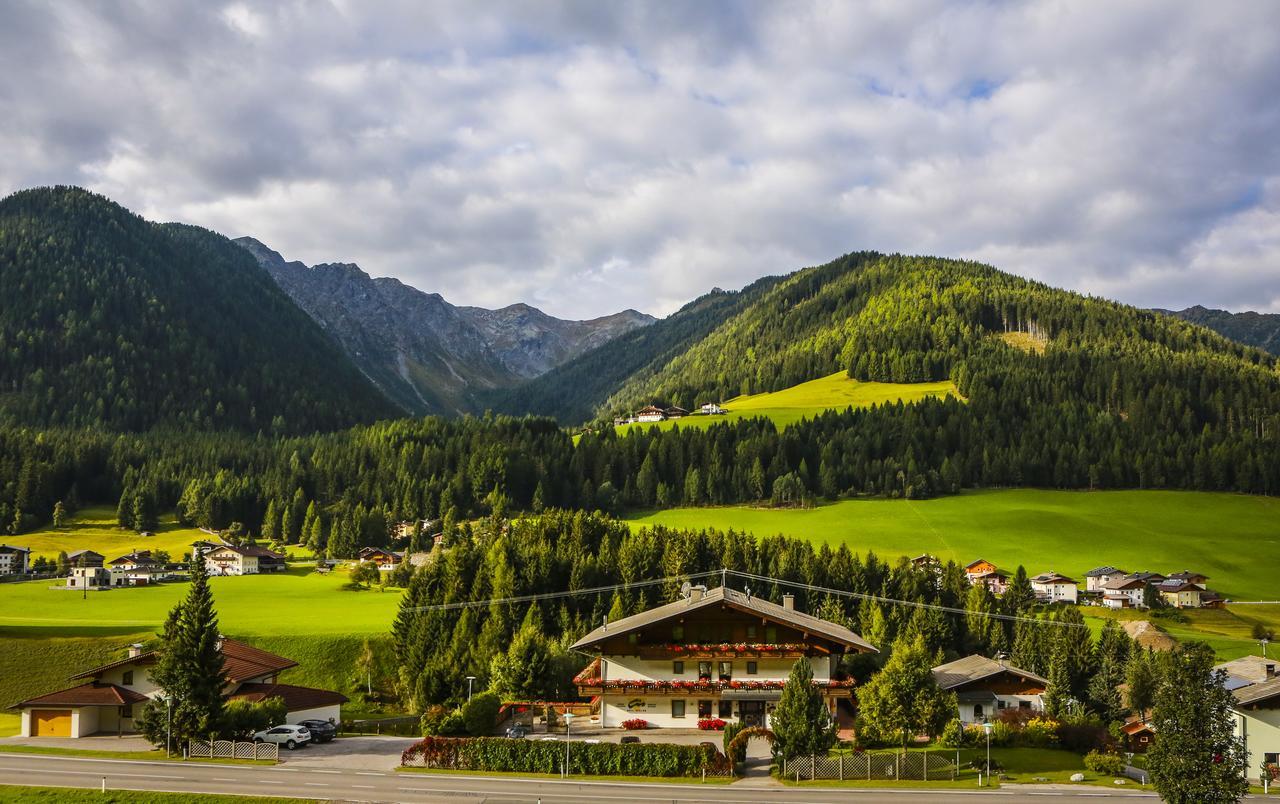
<point>1271,671</point>
<point>696,593</point>
<point>789,602</point>
<point>135,650</point>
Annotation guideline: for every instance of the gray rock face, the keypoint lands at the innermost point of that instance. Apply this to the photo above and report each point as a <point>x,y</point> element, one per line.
<point>420,350</point>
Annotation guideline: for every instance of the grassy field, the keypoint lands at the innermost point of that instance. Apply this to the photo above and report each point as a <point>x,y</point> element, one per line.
<point>66,795</point>
<point>808,399</point>
<point>95,528</point>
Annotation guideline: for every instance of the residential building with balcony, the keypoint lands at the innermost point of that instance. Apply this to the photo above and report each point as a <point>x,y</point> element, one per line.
<point>713,654</point>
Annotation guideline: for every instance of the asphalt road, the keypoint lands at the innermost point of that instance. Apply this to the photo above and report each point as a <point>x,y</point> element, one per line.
<point>355,785</point>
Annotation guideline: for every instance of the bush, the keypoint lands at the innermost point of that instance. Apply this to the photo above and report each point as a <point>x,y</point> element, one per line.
<point>480,714</point>
<point>1108,764</point>
<point>1039,732</point>
<point>731,731</point>
<point>241,719</point>
<point>955,735</point>
<point>711,724</point>
<point>432,719</point>
<point>1083,733</point>
<point>1001,734</point>
<point>453,724</point>
<point>496,754</point>
<point>635,724</point>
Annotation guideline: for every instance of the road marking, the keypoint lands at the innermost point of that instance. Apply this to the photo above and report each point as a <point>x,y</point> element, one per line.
<point>369,773</point>
<point>94,773</point>
<point>362,786</point>
<point>267,781</point>
<point>315,784</point>
<point>219,779</point>
<point>325,771</point>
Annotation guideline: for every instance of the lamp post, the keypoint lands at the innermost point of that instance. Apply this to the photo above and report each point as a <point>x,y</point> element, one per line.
<point>469,680</point>
<point>1264,642</point>
<point>986,726</point>
<point>168,729</point>
<point>568,720</point>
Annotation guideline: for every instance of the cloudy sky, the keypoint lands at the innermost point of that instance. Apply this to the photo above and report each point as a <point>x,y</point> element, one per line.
<point>586,157</point>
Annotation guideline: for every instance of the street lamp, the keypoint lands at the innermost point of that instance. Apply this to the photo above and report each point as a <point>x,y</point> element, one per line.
<point>1264,642</point>
<point>469,680</point>
<point>986,726</point>
<point>568,719</point>
<point>168,730</point>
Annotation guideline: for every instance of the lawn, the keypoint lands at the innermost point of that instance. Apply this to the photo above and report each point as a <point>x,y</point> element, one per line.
<point>95,528</point>
<point>1232,538</point>
<point>808,399</point>
<point>67,795</point>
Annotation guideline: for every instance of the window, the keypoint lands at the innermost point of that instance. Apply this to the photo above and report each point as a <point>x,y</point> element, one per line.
<point>677,668</point>
<point>751,668</point>
<point>126,711</point>
<point>726,710</point>
<point>771,634</point>
<point>726,671</point>
<point>633,637</point>
<point>1271,759</point>
<point>677,633</point>
<point>704,709</point>
<point>751,632</point>
<point>127,678</point>
<point>977,711</point>
<point>1024,704</point>
<point>1000,704</point>
<point>704,671</point>
<point>677,708</point>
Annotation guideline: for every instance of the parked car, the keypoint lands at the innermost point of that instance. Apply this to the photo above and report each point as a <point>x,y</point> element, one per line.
<point>322,731</point>
<point>289,736</point>
<point>518,731</point>
<point>630,738</point>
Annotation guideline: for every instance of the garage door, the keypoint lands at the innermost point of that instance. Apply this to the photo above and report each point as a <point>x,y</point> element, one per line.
<point>51,722</point>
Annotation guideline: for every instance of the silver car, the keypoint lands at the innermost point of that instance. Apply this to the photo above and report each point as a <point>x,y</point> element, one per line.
<point>289,736</point>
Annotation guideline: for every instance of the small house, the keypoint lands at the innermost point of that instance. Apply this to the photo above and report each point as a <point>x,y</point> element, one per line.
<point>95,578</point>
<point>985,687</point>
<point>86,558</point>
<point>1124,593</point>
<point>14,560</point>
<point>711,409</point>
<point>674,412</point>
<point>231,559</point>
<point>1053,587</point>
<point>650,413</point>
<point>1138,735</point>
<point>1179,594</point>
<point>984,573</point>
<point>386,560</point>
<point>1186,576</point>
<point>1097,578</point>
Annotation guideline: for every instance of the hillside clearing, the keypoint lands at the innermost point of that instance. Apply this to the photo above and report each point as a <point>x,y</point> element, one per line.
<point>808,399</point>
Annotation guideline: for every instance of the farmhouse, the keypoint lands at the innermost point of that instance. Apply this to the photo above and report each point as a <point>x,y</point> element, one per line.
<point>674,412</point>
<point>719,653</point>
<point>984,687</point>
<point>984,573</point>
<point>711,409</point>
<point>1095,580</point>
<point>110,697</point>
<point>14,560</point>
<point>650,413</point>
<point>89,578</point>
<point>137,568</point>
<point>1257,723</point>
<point>86,558</point>
<point>386,560</point>
<point>1053,587</point>
<point>1124,593</point>
<point>1180,594</point>
<point>230,559</point>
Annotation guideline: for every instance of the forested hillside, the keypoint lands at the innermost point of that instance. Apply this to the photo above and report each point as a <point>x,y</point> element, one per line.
<point>1254,329</point>
<point>574,391</point>
<point>109,320</point>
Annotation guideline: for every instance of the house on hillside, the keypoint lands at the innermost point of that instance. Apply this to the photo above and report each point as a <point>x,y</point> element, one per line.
<point>110,697</point>
<point>90,578</point>
<point>138,568</point>
<point>1138,735</point>
<point>1257,723</point>
<point>86,558</point>
<point>1124,593</point>
<point>711,409</point>
<point>718,653</point>
<point>985,687</point>
<point>231,559</point>
<point>1187,576</point>
<point>984,573</point>
<point>1054,587</point>
<point>1097,578</point>
<point>674,412</point>
<point>1180,594</point>
<point>14,560</point>
<point>386,560</point>
<point>1152,578</point>
<point>650,413</point>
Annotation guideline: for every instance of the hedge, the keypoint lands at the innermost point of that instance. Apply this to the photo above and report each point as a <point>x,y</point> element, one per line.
<point>539,756</point>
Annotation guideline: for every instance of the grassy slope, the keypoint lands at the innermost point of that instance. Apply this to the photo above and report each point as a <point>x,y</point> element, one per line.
<point>808,399</point>
<point>95,528</point>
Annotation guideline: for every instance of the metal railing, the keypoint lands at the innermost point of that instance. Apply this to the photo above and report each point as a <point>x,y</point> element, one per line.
<point>870,766</point>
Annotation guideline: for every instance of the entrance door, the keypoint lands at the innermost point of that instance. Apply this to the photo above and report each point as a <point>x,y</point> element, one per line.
<point>51,722</point>
<point>751,712</point>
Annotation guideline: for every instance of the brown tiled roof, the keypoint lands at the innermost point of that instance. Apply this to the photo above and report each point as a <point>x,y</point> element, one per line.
<point>141,659</point>
<point>1135,726</point>
<point>975,668</point>
<point>91,694</point>
<point>734,599</point>
<point>295,698</point>
<point>242,662</point>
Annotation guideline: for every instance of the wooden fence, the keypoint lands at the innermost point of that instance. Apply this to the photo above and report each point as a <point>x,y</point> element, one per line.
<point>886,765</point>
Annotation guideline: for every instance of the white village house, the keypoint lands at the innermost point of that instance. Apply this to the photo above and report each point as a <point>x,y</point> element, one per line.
<point>1255,685</point>
<point>984,687</point>
<point>14,560</point>
<point>1054,587</point>
<point>230,559</point>
<point>111,696</point>
<point>719,653</point>
<point>1096,579</point>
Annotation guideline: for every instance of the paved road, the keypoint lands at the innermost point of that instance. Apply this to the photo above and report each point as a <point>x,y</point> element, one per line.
<point>356,785</point>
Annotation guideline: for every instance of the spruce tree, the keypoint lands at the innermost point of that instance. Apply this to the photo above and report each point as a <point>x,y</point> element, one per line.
<point>59,514</point>
<point>1196,758</point>
<point>903,699</point>
<point>801,721</point>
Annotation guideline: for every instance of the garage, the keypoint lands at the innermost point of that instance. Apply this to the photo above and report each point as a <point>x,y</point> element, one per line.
<point>51,722</point>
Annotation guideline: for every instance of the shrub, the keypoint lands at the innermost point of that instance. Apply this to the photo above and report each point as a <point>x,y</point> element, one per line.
<point>480,714</point>
<point>635,724</point>
<point>1108,764</point>
<point>241,719</point>
<point>711,724</point>
<point>432,719</point>
<point>954,735</point>
<point>535,756</point>
<point>1001,734</point>
<point>1039,732</point>
<point>453,724</point>
<point>731,731</point>
<point>1082,733</point>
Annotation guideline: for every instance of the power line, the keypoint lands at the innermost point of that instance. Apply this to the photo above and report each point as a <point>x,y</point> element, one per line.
<point>552,595</point>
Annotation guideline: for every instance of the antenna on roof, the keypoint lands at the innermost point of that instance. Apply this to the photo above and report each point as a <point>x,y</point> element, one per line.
<point>605,625</point>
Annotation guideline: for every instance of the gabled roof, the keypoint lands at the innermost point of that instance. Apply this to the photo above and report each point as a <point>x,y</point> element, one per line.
<point>1250,668</point>
<point>1052,577</point>
<point>1098,572</point>
<point>91,694</point>
<point>975,668</point>
<point>972,564</point>
<point>138,557</point>
<point>8,548</point>
<point>1153,577</point>
<point>1127,582</point>
<point>295,698</point>
<point>1257,693</point>
<point>1187,575</point>
<point>240,662</point>
<point>1171,585</point>
<point>78,553</point>
<point>733,599</point>
<point>1136,726</point>
<point>649,409</point>
<point>247,550</point>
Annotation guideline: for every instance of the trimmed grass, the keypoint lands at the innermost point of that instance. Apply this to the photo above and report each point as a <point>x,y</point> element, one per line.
<point>1021,766</point>
<point>139,756</point>
<point>1232,538</point>
<point>10,724</point>
<point>808,399</point>
<point>574,778</point>
<point>95,528</point>
<point>68,795</point>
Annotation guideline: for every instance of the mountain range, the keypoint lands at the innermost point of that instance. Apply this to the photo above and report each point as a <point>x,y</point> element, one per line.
<point>427,355</point>
<point>1255,329</point>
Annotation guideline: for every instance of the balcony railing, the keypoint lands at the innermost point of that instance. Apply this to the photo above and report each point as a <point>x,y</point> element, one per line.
<point>715,650</point>
<point>594,685</point>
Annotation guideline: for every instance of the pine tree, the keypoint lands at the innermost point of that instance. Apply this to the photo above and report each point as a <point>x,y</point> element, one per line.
<point>271,523</point>
<point>1057,696</point>
<point>1019,595</point>
<point>801,721</point>
<point>59,514</point>
<point>1197,758</point>
<point>903,699</point>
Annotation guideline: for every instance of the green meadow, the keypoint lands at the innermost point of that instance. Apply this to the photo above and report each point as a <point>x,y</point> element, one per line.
<point>808,399</point>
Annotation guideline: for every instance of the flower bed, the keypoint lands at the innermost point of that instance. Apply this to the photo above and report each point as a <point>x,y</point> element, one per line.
<point>711,724</point>
<point>535,756</point>
<point>635,724</point>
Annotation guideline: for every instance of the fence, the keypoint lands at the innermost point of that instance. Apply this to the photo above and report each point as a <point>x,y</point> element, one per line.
<point>398,726</point>
<point>914,765</point>
<point>230,749</point>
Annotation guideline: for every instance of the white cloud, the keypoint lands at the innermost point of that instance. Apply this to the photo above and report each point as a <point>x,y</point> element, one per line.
<point>586,157</point>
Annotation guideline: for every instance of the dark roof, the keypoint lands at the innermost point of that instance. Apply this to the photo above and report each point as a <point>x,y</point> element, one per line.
<point>1250,668</point>
<point>241,662</point>
<point>135,557</point>
<point>1052,577</point>
<point>1146,576</point>
<point>248,550</point>
<point>1257,693</point>
<point>5,548</point>
<point>141,659</point>
<point>1098,572</point>
<point>79,553</point>
<point>975,668</point>
<point>295,698</point>
<point>1127,582</point>
<point>91,694</point>
<point>1172,585</point>
<point>736,600</point>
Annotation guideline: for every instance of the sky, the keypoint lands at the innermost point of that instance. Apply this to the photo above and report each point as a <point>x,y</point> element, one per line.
<point>586,157</point>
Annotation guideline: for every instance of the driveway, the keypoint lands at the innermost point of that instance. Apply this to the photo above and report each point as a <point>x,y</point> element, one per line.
<point>357,753</point>
<point>97,742</point>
